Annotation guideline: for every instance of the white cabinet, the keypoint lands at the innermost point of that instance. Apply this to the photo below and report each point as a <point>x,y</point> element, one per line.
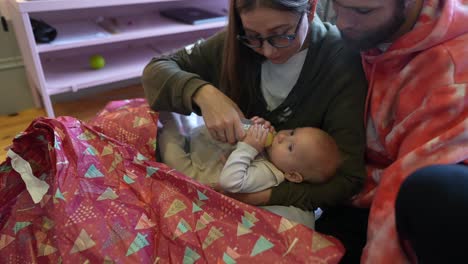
<point>127,33</point>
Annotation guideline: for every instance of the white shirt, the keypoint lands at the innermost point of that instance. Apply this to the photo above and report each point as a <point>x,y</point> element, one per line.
<point>277,80</point>
<point>246,171</point>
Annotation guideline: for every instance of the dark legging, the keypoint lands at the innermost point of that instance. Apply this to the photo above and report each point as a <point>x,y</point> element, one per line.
<point>432,213</point>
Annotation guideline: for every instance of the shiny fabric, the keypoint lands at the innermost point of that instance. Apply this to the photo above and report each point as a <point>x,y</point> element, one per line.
<point>109,203</point>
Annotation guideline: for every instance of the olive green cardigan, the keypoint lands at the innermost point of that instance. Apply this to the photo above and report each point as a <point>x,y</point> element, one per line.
<point>329,94</point>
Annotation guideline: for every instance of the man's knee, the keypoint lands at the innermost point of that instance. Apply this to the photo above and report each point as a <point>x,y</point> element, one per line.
<point>431,190</point>
<point>434,178</point>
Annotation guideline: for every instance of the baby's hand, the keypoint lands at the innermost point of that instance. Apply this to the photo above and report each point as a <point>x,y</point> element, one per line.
<point>256,137</point>
<point>266,124</point>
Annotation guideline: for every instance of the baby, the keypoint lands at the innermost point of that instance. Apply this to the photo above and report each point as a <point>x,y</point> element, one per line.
<point>302,154</point>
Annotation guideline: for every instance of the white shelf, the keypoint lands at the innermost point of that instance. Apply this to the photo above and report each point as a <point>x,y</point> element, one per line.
<point>25,6</point>
<point>88,33</point>
<point>72,72</point>
<point>128,39</point>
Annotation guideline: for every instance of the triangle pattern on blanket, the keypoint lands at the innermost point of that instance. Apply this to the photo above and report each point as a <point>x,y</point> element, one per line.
<point>82,242</point>
<point>182,228</point>
<point>144,222</point>
<point>45,250</point>
<point>176,207</point>
<point>242,230</point>
<point>230,256</point>
<point>150,171</point>
<point>213,235</point>
<point>5,240</point>
<point>319,242</point>
<point>140,121</point>
<point>137,244</point>
<point>20,225</point>
<point>261,245</point>
<point>190,256</point>
<point>285,225</point>
<point>93,172</point>
<point>108,194</point>
<point>87,135</point>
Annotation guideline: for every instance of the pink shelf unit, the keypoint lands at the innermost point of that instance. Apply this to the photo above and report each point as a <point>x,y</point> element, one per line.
<point>136,34</point>
<point>62,66</point>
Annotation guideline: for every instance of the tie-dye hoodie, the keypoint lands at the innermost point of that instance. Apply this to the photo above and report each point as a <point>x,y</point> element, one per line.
<point>416,115</point>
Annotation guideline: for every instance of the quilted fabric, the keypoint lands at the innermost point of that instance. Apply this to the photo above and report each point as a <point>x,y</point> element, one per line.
<point>109,204</point>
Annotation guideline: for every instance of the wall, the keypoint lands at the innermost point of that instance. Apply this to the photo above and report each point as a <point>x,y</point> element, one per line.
<point>15,94</point>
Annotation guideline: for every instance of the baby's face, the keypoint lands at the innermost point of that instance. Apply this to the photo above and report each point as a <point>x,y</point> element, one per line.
<point>291,149</point>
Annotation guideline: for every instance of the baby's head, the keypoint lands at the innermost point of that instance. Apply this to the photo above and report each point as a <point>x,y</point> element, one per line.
<point>305,154</point>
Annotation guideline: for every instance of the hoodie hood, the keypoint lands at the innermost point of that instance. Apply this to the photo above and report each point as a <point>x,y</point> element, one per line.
<point>439,21</point>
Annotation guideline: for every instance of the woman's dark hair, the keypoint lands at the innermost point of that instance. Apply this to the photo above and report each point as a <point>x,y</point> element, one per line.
<point>238,73</point>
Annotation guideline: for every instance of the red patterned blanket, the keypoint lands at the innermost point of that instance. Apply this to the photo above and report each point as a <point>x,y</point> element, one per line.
<point>107,202</point>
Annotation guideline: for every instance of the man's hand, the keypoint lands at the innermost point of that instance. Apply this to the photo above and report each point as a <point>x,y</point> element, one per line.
<point>221,115</point>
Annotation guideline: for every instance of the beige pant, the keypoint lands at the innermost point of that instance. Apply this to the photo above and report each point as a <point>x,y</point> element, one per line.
<point>292,213</point>
<point>199,159</point>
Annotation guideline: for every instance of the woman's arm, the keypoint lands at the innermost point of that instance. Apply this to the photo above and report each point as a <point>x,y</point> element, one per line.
<point>186,82</point>
<point>171,81</point>
<point>221,115</point>
<point>257,198</point>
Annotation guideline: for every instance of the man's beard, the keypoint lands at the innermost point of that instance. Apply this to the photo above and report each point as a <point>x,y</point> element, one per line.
<point>378,36</point>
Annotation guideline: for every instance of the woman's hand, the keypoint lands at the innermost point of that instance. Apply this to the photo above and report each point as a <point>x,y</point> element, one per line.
<point>221,115</point>
<point>256,137</point>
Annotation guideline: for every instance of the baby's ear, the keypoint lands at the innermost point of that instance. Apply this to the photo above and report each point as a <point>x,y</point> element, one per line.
<point>294,177</point>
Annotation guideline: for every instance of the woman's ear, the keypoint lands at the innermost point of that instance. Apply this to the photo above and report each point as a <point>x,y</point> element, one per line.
<point>294,177</point>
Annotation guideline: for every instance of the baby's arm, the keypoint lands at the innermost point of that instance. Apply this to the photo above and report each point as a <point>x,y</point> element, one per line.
<point>239,174</point>
<point>235,172</point>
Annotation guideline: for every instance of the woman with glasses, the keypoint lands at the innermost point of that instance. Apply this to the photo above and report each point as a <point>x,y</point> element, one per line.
<point>279,61</point>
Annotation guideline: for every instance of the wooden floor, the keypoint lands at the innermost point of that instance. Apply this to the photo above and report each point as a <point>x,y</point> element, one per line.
<point>83,109</point>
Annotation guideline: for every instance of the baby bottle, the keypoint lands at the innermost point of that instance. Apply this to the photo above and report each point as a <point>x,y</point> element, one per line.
<point>246,123</point>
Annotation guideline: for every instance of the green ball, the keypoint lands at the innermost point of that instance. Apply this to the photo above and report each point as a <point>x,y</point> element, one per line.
<point>97,62</point>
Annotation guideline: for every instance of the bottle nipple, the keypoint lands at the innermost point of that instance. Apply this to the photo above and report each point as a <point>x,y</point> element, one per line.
<point>269,139</point>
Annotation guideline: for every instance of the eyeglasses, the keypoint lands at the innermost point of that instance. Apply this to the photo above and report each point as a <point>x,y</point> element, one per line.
<point>277,41</point>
